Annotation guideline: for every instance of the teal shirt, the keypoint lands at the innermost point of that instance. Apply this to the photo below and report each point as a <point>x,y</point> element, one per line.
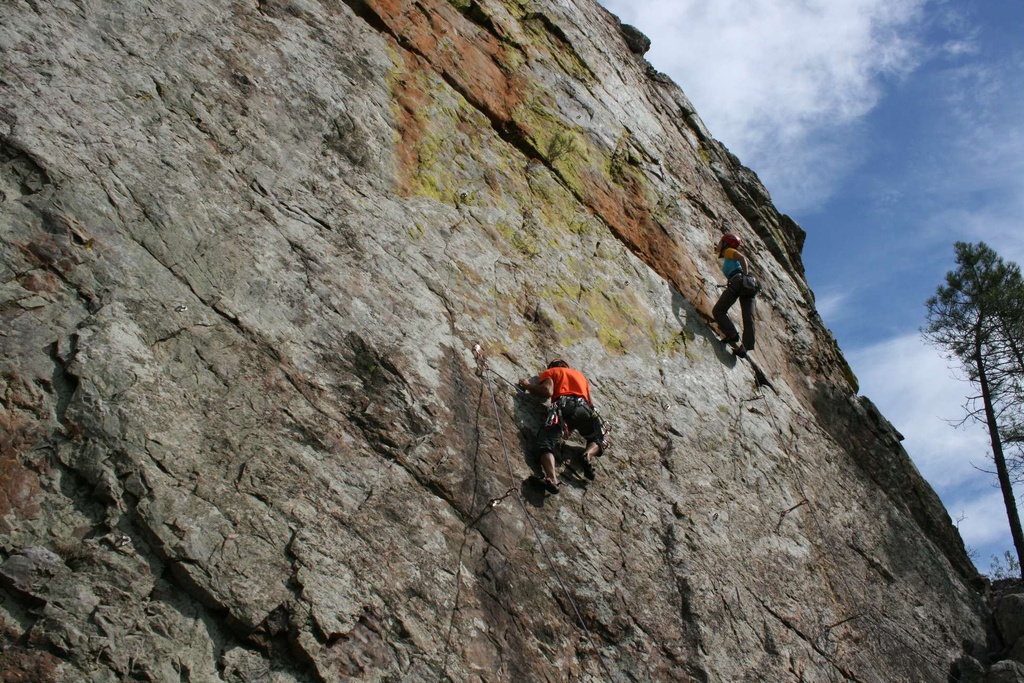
<point>730,266</point>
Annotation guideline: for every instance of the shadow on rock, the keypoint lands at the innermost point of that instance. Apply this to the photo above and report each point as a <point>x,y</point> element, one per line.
<point>533,492</point>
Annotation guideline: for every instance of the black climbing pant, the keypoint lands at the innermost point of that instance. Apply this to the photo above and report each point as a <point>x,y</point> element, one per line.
<point>721,313</point>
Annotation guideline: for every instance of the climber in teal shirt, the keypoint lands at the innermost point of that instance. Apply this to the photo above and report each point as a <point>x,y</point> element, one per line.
<point>741,286</point>
<point>731,266</point>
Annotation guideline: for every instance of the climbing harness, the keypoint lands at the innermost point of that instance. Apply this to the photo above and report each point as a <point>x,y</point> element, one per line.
<point>748,285</point>
<point>570,403</point>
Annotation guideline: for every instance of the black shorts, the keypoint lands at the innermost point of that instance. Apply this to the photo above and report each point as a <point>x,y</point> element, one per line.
<point>570,413</point>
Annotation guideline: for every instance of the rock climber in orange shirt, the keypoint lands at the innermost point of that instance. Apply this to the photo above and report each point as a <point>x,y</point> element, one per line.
<point>571,408</point>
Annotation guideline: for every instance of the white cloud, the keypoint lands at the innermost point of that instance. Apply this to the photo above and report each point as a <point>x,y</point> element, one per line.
<point>831,304</point>
<point>982,523</point>
<point>985,172</point>
<point>773,74</point>
<point>958,48</point>
<point>981,200</point>
<point>1000,225</point>
<point>913,386</point>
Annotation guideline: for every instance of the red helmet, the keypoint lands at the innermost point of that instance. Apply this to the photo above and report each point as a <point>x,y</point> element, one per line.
<point>730,240</point>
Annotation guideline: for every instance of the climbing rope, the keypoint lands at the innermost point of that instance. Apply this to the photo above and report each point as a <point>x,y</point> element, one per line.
<point>514,386</point>
<point>873,622</point>
<point>482,364</point>
<point>491,504</point>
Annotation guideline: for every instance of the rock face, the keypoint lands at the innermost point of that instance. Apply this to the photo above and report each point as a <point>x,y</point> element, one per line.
<point>247,250</point>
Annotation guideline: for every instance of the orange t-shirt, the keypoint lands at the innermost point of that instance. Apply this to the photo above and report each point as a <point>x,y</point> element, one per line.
<point>567,382</point>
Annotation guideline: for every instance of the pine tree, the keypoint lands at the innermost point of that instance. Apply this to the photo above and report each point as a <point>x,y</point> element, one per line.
<point>977,317</point>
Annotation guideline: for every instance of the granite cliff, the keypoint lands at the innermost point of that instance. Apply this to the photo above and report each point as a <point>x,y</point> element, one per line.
<point>247,251</point>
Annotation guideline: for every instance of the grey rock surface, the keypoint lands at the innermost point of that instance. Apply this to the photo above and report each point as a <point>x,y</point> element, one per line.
<point>1009,616</point>
<point>246,251</point>
<point>636,41</point>
<point>1006,672</point>
<point>969,670</point>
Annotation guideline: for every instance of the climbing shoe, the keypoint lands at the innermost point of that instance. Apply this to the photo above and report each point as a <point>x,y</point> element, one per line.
<point>546,484</point>
<point>588,469</point>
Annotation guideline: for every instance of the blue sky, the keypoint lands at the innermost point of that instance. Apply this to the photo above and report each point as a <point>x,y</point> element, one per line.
<point>888,129</point>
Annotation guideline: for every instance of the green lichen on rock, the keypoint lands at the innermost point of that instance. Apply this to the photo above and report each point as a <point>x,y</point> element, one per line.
<point>527,238</point>
<point>850,377</point>
<point>664,342</point>
<point>612,339</point>
<point>524,239</point>
<point>562,145</point>
<point>451,142</point>
<point>569,326</point>
<point>619,316</point>
<point>436,149</point>
<point>704,153</point>
<point>556,208</point>
<point>625,168</point>
<point>577,159</point>
<point>613,318</point>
